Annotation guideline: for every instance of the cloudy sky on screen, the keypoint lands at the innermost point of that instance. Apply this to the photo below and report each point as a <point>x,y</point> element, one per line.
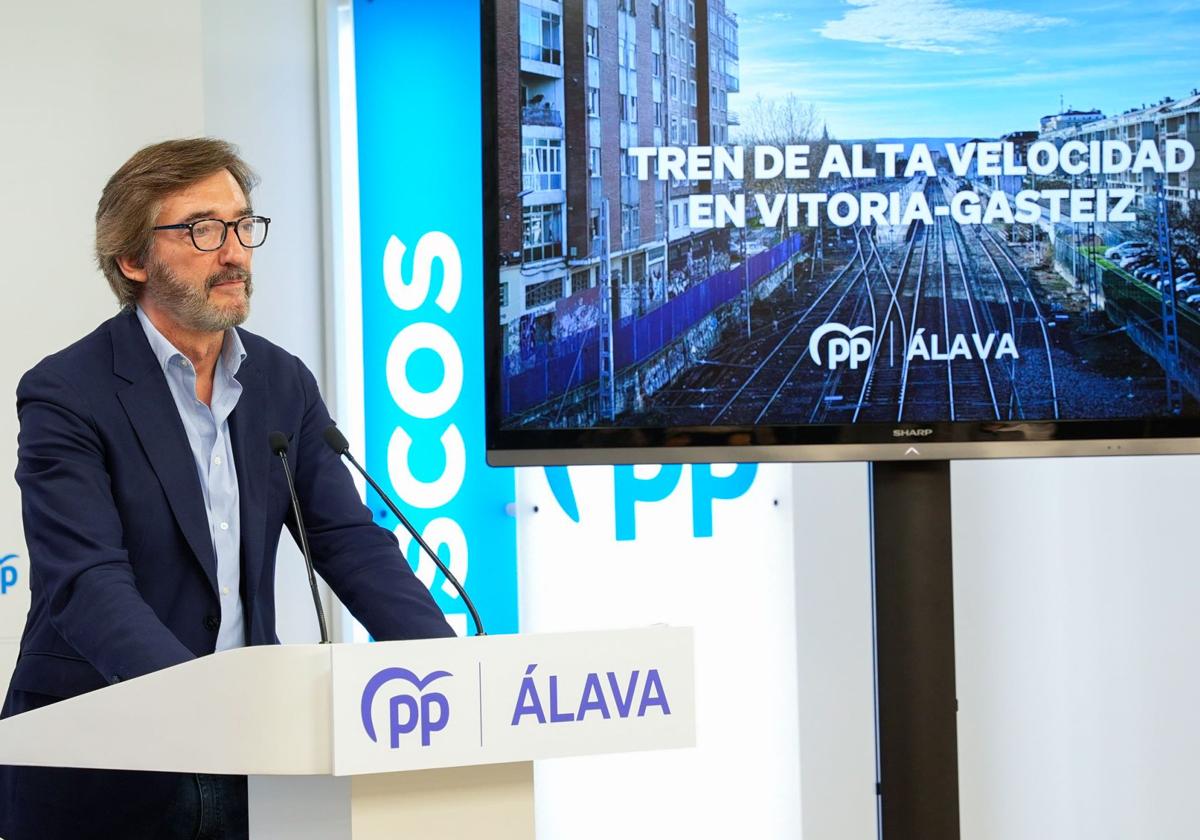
<point>941,68</point>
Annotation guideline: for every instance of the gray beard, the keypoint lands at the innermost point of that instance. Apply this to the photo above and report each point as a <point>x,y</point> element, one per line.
<point>190,307</point>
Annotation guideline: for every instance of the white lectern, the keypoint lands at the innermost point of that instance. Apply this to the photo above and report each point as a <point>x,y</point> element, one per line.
<point>430,739</point>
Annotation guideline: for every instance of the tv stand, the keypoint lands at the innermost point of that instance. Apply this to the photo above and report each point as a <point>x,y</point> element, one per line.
<point>916,739</point>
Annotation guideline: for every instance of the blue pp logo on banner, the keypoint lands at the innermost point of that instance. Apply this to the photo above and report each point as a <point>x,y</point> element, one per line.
<point>629,491</point>
<point>8,573</point>
<point>427,711</point>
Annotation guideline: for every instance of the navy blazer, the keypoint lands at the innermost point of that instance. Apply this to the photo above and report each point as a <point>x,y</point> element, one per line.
<point>122,569</point>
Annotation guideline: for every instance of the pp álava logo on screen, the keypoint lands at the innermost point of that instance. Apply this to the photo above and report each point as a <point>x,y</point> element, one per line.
<point>410,712</point>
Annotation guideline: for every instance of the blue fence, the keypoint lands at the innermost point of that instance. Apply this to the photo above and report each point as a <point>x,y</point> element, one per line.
<point>554,369</point>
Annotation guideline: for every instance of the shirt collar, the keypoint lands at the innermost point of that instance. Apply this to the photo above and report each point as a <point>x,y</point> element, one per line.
<point>233,352</point>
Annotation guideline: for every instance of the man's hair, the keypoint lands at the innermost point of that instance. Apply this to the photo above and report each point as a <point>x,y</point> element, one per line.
<point>134,194</point>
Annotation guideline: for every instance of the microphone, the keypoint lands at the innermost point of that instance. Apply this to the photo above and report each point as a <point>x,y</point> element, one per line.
<point>338,443</point>
<point>279,445</point>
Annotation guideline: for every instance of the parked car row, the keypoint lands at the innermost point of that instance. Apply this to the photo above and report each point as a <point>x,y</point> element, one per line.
<point>1141,259</point>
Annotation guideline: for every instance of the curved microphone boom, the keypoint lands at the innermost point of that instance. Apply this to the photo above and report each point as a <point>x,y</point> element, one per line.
<point>338,443</point>
<point>279,445</point>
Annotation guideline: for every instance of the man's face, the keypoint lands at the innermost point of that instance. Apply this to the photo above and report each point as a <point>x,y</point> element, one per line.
<point>205,291</point>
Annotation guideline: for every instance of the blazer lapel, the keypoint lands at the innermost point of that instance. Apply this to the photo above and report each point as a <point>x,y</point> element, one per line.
<point>151,410</point>
<point>252,455</point>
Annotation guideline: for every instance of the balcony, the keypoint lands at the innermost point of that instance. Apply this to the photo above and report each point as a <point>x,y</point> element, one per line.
<point>540,52</point>
<point>532,252</point>
<point>733,118</point>
<point>542,115</point>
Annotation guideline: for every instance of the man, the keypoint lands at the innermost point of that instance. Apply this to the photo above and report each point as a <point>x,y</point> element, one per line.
<point>152,502</point>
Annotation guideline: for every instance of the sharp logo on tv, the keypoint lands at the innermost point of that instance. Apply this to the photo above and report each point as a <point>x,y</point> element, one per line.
<point>911,433</point>
<point>423,712</point>
<point>630,490</point>
<point>8,573</point>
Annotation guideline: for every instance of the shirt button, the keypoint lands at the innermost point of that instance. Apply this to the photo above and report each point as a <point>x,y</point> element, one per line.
<point>224,590</point>
<point>224,526</point>
<point>217,460</point>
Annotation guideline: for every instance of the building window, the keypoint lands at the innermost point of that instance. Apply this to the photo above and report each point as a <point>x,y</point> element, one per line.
<point>537,294</point>
<point>628,108</point>
<point>581,280</point>
<point>674,86</point>
<point>621,52</point>
<point>541,164</point>
<point>593,41</point>
<point>597,185</point>
<point>658,112</point>
<point>692,52</point>
<point>692,88</point>
<point>503,295</point>
<point>593,102</point>
<point>660,220</point>
<point>674,130</point>
<point>695,133</point>
<point>541,35</point>
<point>542,232</point>
<point>630,232</point>
<point>658,62</point>
<point>692,12</point>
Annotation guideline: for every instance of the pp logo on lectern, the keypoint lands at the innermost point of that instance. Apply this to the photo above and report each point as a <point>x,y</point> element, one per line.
<point>427,711</point>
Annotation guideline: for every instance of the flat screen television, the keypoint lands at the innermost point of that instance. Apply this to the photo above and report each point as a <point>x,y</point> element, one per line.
<point>757,230</point>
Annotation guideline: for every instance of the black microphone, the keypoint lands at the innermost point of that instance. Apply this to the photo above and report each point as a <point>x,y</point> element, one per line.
<point>279,445</point>
<point>338,443</point>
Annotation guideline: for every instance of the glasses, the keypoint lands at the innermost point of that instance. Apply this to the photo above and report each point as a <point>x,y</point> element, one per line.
<point>209,234</point>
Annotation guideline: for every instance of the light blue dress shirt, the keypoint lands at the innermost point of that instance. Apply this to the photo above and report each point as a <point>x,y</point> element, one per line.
<point>212,450</point>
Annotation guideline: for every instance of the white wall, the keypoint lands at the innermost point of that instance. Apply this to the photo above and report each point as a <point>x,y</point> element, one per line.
<point>833,639</point>
<point>83,86</point>
<point>1076,589</point>
<point>1076,594</point>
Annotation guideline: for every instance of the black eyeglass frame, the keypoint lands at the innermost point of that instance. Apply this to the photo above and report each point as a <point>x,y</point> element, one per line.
<point>225,226</point>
